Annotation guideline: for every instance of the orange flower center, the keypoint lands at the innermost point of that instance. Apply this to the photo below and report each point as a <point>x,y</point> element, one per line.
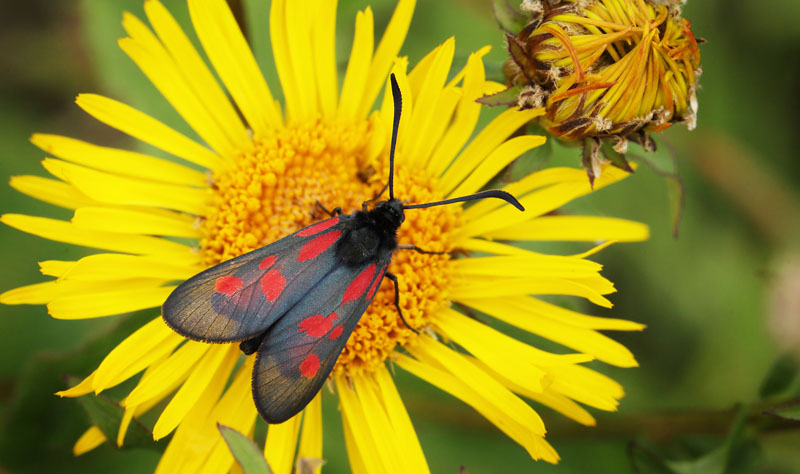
<point>273,191</point>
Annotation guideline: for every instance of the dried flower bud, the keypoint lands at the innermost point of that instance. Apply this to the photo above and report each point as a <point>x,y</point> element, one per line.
<point>604,70</point>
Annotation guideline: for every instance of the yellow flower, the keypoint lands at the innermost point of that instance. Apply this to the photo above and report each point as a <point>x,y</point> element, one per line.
<point>263,171</point>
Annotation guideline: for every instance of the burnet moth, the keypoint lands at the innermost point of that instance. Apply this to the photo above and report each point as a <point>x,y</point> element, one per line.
<point>296,301</point>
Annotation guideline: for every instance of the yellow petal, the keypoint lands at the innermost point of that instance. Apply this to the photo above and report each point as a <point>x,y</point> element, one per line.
<point>401,424</point>
<point>233,60</point>
<point>505,287</point>
<point>519,357</point>
<point>114,189</point>
<point>393,37</point>
<point>199,78</point>
<point>298,33</point>
<point>465,118</point>
<point>127,417</point>
<point>546,397</point>
<point>55,268</point>
<point>355,77</point>
<point>52,191</point>
<point>114,266</point>
<point>357,465</point>
<point>310,448</point>
<point>149,55</point>
<point>484,143</point>
<point>218,358</point>
<point>134,354</point>
<point>533,181</point>
<point>459,76</point>
<point>495,162</point>
<point>116,161</point>
<point>586,386</point>
<point>107,303</point>
<point>147,129</point>
<point>430,90</point>
<point>574,228</point>
<point>494,409</point>
<point>43,293</point>
<point>83,388</point>
<point>235,410</point>
<point>486,246</point>
<point>281,444</point>
<point>529,265</point>
<point>525,313</point>
<point>379,425</point>
<point>323,37</point>
<point>90,439</point>
<point>371,454</point>
<point>437,126</point>
<point>197,435</point>
<point>536,203</point>
<point>279,37</point>
<point>137,221</point>
<point>168,373</point>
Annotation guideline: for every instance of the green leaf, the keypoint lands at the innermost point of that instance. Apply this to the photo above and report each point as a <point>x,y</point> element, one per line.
<point>715,461</point>
<point>789,412</point>
<point>245,451</point>
<point>644,461</point>
<point>676,193</point>
<point>106,414</point>
<point>779,378</point>
<point>507,97</point>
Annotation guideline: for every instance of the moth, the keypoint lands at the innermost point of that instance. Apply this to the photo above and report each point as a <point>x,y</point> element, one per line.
<point>295,302</point>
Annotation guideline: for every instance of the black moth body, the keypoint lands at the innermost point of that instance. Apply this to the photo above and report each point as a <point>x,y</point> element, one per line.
<point>295,302</point>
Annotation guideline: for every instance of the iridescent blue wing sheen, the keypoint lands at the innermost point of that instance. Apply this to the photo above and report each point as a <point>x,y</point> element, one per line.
<point>242,297</point>
<point>299,350</point>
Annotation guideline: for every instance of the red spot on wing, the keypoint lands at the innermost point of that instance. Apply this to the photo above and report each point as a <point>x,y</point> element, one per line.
<point>317,245</point>
<point>376,283</point>
<point>317,325</point>
<point>228,284</point>
<point>267,262</point>
<point>337,331</point>
<point>309,366</point>
<point>272,284</point>
<point>359,285</point>
<point>318,227</point>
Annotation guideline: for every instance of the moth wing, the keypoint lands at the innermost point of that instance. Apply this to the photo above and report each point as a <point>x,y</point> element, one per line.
<point>300,349</point>
<point>241,297</point>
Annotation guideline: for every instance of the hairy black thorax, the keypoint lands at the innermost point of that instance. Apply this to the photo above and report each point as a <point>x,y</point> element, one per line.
<point>371,233</point>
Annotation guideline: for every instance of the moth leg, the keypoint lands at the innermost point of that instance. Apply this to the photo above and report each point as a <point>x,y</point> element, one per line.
<point>393,277</point>
<point>336,211</point>
<point>249,346</point>
<point>417,249</point>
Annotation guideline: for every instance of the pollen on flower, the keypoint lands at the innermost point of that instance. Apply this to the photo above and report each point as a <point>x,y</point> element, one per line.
<point>273,191</point>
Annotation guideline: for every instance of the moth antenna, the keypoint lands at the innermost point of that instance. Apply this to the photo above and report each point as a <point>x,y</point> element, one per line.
<point>491,193</point>
<point>398,107</point>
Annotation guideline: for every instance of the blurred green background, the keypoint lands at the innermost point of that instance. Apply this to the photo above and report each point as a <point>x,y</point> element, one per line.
<point>720,302</point>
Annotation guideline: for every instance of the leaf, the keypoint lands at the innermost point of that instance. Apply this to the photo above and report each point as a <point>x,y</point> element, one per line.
<point>779,378</point>
<point>715,461</point>
<point>644,461</point>
<point>788,412</point>
<point>245,451</point>
<point>508,17</point>
<point>676,191</point>
<point>507,97</point>
<point>106,414</point>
